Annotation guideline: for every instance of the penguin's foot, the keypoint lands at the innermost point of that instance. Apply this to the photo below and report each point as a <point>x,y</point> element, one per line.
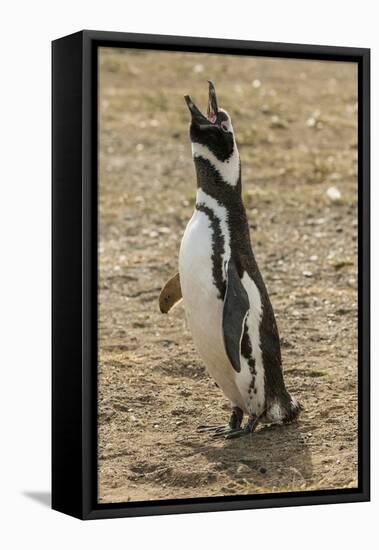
<point>210,427</point>
<point>234,424</point>
<point>228,433</point>
<point>232,433</point>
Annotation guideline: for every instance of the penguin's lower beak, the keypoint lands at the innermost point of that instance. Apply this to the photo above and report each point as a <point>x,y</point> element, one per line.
<point>197,116</point>
<point>212,110</point>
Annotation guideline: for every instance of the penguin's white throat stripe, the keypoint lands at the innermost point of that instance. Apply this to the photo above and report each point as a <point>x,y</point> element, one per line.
<point>229,169</point>
<point>221,214</point>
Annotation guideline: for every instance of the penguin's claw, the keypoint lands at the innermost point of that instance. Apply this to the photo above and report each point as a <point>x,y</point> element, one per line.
<point>211,428</point>
<point>229,433</point>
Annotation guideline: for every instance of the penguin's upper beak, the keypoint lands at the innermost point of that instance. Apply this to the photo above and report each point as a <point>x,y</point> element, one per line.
<point>212,103</point>
<point>212,109</point>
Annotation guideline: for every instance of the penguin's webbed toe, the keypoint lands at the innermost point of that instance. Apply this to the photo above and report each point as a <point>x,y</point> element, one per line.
<point>233,431</point>
<point>230,433</point>
<point>211,427</point>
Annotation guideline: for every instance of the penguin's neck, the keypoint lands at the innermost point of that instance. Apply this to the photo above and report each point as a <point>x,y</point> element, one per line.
<point>212,181</point>
<point>225,201</point>
<point>228,170</point>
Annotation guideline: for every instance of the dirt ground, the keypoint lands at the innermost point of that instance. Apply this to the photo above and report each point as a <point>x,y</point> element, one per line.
<point>296,126</point>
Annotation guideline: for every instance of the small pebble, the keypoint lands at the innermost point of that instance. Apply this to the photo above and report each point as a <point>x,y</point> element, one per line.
<point>277,122</point>
<point>262,470</point>
<point>311,122</point>
<point>243,469</point>
<point>198,68</point>
<point>334,194</point>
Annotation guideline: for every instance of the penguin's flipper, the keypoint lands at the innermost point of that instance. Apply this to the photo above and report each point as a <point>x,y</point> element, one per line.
<point>236,307</point>
<point>170,294</point>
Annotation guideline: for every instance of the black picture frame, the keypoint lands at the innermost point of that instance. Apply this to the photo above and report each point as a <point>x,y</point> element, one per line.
<point>74,273</point>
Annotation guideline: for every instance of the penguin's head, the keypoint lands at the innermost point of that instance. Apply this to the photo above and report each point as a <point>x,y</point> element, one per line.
<point>214,131</point>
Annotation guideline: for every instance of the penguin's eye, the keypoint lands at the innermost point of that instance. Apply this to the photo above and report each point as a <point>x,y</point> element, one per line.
<point>224,126</point>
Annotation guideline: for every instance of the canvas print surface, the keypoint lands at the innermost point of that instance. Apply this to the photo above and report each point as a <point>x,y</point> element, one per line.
<point>240,376</point>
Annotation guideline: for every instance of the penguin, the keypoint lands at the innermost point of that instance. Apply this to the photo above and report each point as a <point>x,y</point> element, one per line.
<point>226,302</point>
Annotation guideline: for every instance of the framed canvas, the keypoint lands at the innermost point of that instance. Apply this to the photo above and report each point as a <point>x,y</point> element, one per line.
<point>180,165</point>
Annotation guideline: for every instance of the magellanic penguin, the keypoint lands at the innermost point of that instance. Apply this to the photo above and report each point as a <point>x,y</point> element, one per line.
<point>227,306</point>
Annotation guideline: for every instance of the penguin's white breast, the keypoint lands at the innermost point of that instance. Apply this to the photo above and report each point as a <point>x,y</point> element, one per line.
<point>202,303</point>
<point>200,296</point>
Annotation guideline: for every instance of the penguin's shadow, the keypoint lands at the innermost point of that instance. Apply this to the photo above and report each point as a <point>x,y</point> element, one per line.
<point>272,457</point>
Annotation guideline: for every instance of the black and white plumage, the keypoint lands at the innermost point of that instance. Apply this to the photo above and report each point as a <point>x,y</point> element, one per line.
<point>227,306</point>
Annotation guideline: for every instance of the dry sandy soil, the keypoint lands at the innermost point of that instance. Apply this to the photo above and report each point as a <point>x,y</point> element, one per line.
<point>296,126</point>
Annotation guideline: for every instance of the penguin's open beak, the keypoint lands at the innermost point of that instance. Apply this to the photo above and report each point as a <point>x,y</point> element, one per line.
<point>212,110</point>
